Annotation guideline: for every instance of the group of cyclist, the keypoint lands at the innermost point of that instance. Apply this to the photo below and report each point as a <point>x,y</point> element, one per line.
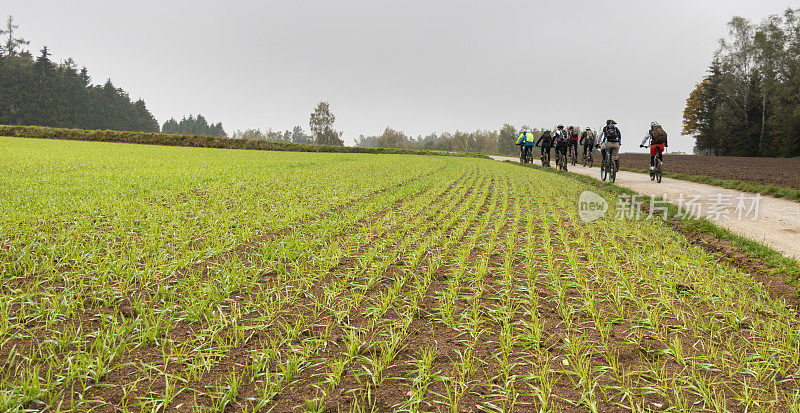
<point>565,140</point>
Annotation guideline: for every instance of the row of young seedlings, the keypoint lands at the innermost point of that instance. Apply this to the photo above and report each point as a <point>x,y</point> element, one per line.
<point>422,376</point>
<point>386,334</point>
<point>105,267</point>
<point>372,330</point>
<point>423,381</point>
<point>151,326</point>
<point>91,258</point>
<point>344,296</point>
<point>265,369</point>
<point>273,368</point>
<point>487,314</point>
<point>624,265</point>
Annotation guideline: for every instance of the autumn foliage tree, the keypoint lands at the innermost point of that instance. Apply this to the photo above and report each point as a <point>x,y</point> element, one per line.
<point>747,103</point>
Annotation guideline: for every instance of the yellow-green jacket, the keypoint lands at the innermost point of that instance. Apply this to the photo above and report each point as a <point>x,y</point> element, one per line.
<point>526,138</point>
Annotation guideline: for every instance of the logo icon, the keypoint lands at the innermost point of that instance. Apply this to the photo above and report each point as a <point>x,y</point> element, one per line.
<point>591,206</point>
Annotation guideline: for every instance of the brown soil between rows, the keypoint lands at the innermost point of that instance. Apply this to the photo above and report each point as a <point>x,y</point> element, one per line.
<point>782,172</point>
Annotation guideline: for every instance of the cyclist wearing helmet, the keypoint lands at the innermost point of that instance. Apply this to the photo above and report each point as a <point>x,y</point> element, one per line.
<point>525,142</point>
<point>587,140</point>
<point>573,140</point>
<point>561,141</point>
<point>546,140</point>
<point>610,139</point>
<point>656,138</point>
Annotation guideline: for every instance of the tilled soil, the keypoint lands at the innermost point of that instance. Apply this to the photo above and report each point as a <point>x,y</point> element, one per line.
<point>783,172</point>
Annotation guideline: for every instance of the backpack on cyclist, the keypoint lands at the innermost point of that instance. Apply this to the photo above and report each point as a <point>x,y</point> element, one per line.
<point>561,137</point>
<point>574,136</point>
<point>611,133</point>
<point>546,138</point>
<point>658,135</point>
<point>529,137</point>
<point>589,135</point>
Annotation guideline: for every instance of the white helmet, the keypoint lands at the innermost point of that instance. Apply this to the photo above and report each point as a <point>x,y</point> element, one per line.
<point>653,124</point>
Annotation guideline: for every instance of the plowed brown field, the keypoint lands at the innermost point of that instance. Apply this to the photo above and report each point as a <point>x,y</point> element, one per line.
<point>784,172</point>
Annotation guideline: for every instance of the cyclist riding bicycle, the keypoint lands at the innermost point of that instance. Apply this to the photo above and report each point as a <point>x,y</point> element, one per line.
<point>587,140</point>
<point>547,142</point>
<point>561,141</point>
<point>573,140</point>
<point>610,139</point>
<point>656,138</point>
<point>525,142</point>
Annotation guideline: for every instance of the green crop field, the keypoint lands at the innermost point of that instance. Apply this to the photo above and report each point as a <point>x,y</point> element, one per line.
<point>146,278</point>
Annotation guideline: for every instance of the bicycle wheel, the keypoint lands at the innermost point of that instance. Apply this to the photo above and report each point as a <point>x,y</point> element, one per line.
<point>659,165</point>
<point>590,162</point>
<point>603,172</point>
<point>613,168</point>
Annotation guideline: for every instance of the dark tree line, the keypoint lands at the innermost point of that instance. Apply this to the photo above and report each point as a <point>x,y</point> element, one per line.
<point>38,91</point>
<point>41,92</point>
<point>749,103</point>
<point>194,126</point>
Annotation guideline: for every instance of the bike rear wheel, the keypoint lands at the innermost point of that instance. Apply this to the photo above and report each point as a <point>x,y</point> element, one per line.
<point>613,172</point>
<point>659,165</point>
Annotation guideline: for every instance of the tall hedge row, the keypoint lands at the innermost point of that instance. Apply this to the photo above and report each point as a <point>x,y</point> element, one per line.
<point>197,141</point>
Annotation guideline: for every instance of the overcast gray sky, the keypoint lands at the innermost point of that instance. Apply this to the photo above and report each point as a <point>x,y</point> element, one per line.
<point>417,66</point>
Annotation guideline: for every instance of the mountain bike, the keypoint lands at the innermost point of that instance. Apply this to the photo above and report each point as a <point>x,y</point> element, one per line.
<point>561,161</point>
<point>588,159</point>
<point>529,155</point>
<point>545,159</point>
<point>608,168</point>
<point>658,169</point>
